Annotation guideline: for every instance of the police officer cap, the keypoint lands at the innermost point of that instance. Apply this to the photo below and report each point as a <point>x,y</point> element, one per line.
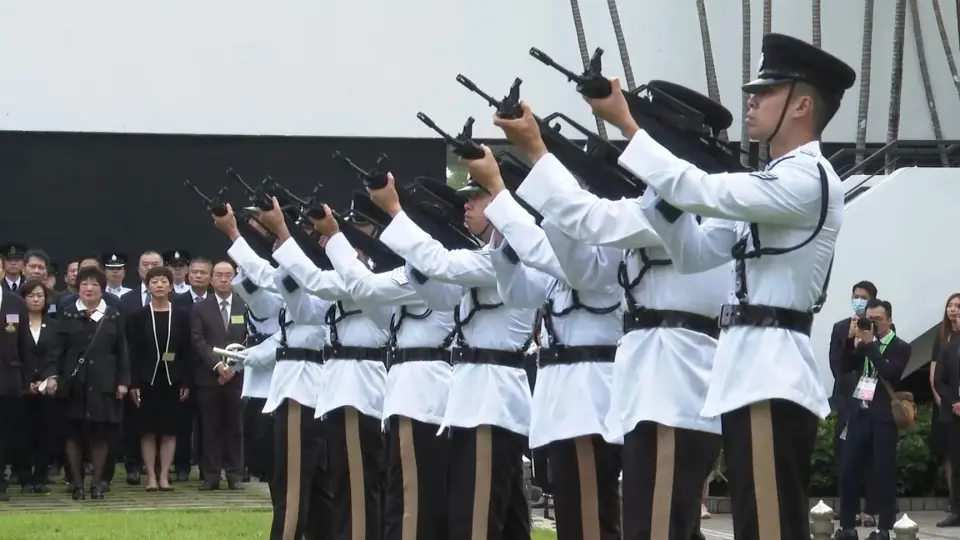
<point>715,115</point>
<point>13,251</point>
<point>787,59</point>
<point>176,258</point>
<point>435,197</point>
<point>114,259</point>
<point>363,211</point>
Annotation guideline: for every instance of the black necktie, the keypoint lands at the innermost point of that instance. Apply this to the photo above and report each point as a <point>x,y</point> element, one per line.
<point>13,286</point>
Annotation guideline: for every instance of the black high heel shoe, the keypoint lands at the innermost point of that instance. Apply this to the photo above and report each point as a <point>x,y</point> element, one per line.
<point>96,493</point>
<point>78,494</point>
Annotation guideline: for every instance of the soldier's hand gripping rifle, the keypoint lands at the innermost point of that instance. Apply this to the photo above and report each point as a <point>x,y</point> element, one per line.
<point>593,170</point>
<point>463,144</point>
<point>305,209</point>
<point>214,204</point>
<point>257,197</point>
<point>373,178</point>
<point>298,213</point>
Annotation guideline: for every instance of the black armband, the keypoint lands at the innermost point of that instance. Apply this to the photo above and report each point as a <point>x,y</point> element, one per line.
<point>668,211</point>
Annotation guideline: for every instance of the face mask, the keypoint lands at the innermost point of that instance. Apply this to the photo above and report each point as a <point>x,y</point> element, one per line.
<point>859,305</point>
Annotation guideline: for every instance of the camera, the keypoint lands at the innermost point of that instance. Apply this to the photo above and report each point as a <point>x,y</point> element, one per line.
<point>865,324</point>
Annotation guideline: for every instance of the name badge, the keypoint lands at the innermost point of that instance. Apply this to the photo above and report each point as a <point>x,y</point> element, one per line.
<point>13,318</point>
<point>168,356</point>
<point>866,387</point>
<point>236,319</point>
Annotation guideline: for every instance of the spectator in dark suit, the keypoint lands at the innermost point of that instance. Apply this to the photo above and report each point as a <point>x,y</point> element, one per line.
<point>90,392</point>
<point>217,322</point>
<point>14,369</point>
<point>877,356</point>
<point>841,339</point>
<point>198,276</point>
<point>39,434</point>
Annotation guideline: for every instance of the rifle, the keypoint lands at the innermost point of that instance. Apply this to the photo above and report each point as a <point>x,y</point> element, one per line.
<point>372,178</point>
<point>591,83</point>
<point>461,145</point>
<point>214,205</point>
<point>305,209</point>
<point>257,197</point>
<point>594,171</point>
<point>508,107</point>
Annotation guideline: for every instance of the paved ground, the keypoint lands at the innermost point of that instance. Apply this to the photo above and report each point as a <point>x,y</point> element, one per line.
<point>720,527</point>
<point>124,497</point>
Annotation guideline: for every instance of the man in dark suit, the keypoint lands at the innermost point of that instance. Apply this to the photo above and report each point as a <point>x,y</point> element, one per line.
<point>198,276</point>
<point>12,255</point>
<point>15,368</point>
<point>841,339</point>
<point>877,357</point>
<point>946,380</point>
<point>219,321</point>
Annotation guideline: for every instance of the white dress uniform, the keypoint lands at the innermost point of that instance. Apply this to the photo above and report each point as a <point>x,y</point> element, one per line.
<point>664,359</point>
<point>264,308</point>
<point>571,400</point>
<point>766,382</point>
<point>350,392</point>
<point>299,467</point>
<point>489,404</point>
<point>418,383</point>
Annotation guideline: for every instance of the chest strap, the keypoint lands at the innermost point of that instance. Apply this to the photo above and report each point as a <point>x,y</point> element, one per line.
<point>336,315</point>
<point>458,323</point>
<point>549,313</point>
<point>397,321</point>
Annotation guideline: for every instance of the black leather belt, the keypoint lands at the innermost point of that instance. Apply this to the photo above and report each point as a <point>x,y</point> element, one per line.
<point>493,357</point>
<point>564,356</point>
<point>331,352</point>
<point>299,354</point>
<point>418,354</point>
<point>766,317</point>
<point>667,318</point>
<point>255,339</point>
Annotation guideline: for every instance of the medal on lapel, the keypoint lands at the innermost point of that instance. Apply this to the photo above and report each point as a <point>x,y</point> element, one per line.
<point>10,329</point>
<point>12,320</point>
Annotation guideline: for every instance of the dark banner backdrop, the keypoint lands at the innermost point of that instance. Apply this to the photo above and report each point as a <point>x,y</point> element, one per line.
<point>74,194</point>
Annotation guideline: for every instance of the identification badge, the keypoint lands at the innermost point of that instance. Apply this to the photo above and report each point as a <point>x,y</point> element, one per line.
<point>866,387</point>
<point>13,318</point>
<point>236,319</point>
<point>11,329</point>
<point>168,356</point>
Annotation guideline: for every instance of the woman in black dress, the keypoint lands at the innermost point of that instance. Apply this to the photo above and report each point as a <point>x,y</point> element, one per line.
<point>89,372</point>
<point>159,338</point>
<point>948,330</point>
<point>39,427</point>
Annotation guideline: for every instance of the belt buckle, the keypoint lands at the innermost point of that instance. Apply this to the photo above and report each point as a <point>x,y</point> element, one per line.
<point>727,313</point>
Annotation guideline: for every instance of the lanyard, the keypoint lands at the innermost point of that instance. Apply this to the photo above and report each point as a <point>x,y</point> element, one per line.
<point>153,319</point>
<point>867,366</point>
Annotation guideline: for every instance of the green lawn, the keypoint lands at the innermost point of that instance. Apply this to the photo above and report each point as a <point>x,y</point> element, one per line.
<point>146,524</point>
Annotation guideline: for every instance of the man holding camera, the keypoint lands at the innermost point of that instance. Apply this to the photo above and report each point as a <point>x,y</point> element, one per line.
<point>877,357</point>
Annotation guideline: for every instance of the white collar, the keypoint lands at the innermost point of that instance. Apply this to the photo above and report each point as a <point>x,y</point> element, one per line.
<point>98,313</point>
<point>143,289</point>
<point>228,299</point>
<point>197,297</point>
<point>17,281</point>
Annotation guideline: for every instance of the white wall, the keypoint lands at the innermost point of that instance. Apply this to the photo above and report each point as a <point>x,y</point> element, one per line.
<point>365,67</point>
<point>896,235</point>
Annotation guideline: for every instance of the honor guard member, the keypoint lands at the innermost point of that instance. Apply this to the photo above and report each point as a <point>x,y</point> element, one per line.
<point>663,362</point>
<point>255,284</point>
<point>179,262</point>
<point>766,383</point>
<point>114,264</point>
<point>302,502</point>
<point>582,321</point>
<point>418,383</point>
<point>350,394</point>
<point>12,255</point>
<point>488,411</point>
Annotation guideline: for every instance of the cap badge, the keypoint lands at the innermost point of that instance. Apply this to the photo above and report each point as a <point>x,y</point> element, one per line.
<point>760,66</point>
<point>113,258</point>
<point>176,254</point>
